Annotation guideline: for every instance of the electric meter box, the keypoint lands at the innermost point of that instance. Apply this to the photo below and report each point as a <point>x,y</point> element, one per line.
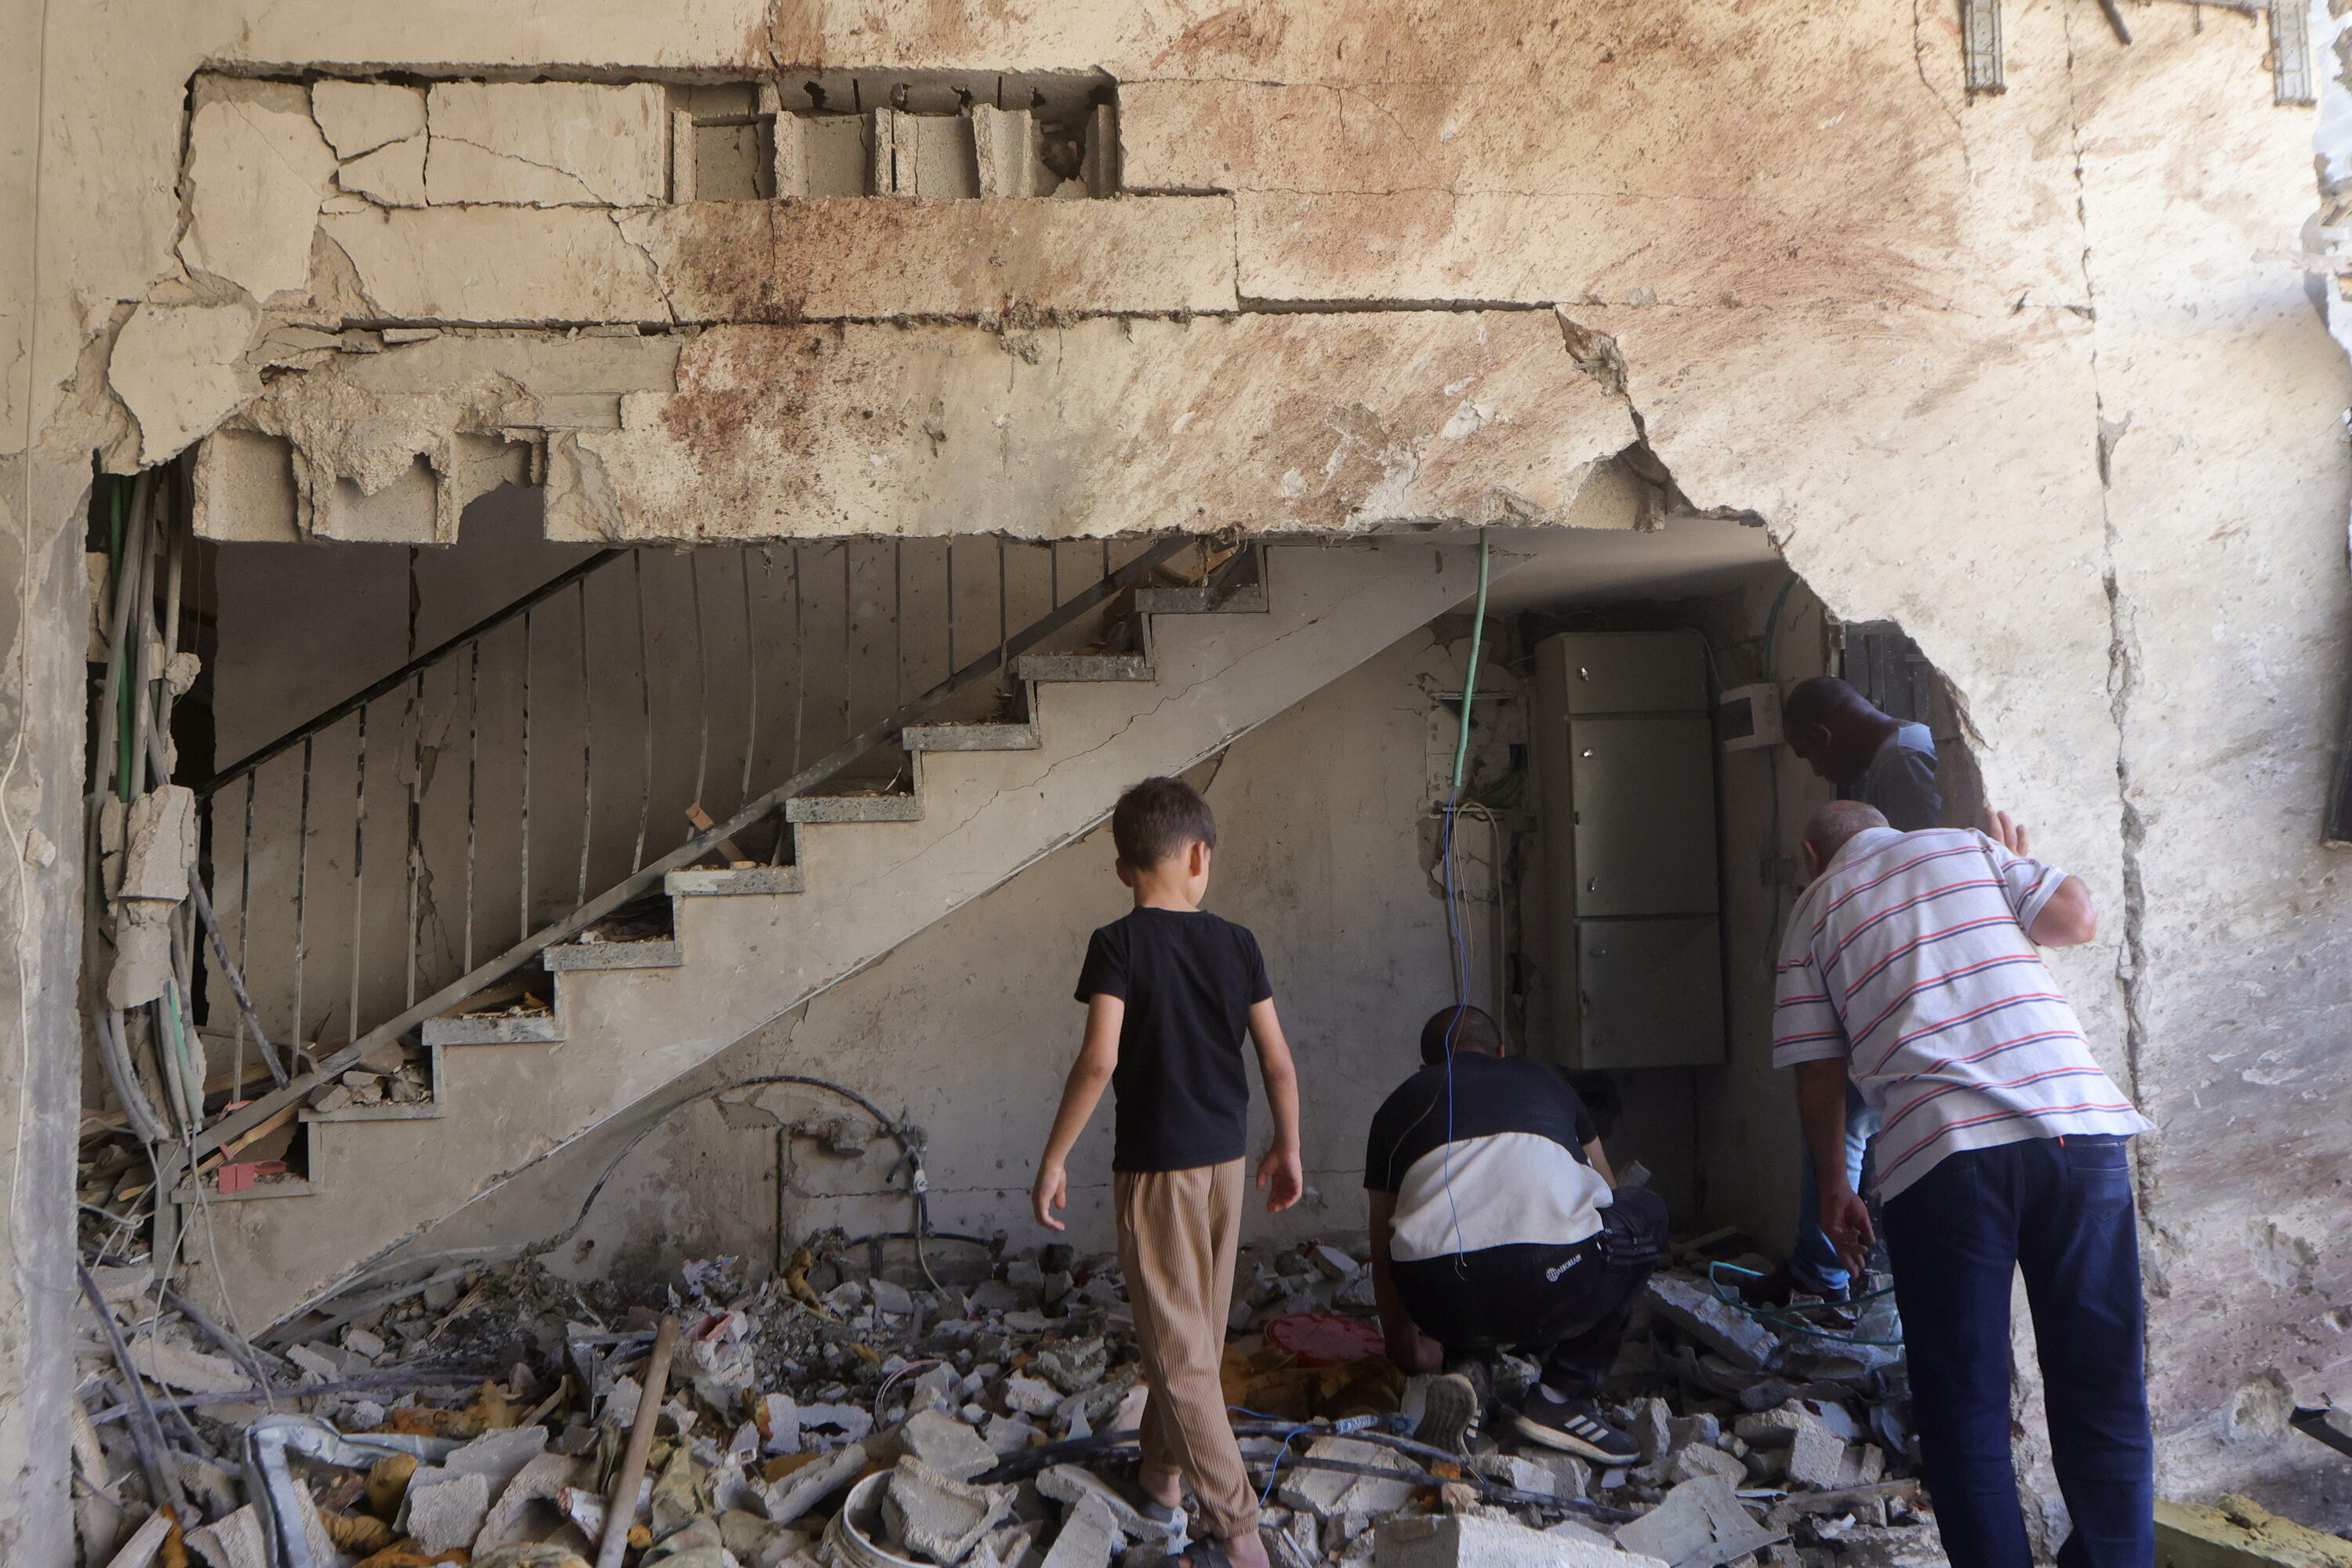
<point>1624,728</point>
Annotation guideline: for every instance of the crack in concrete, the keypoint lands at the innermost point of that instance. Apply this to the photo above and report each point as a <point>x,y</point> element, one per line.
<point>2123,650</point>
<point>596,197</point>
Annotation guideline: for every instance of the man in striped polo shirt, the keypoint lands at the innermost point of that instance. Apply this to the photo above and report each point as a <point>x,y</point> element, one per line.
<point>1911,969</point>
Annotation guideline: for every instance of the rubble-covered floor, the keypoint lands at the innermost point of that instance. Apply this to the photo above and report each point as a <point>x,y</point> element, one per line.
<point>995,1410</point>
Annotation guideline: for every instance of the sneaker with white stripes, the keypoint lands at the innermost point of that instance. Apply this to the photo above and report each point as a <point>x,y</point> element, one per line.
<point>1573,1425</point>
<point>1455,1405</point>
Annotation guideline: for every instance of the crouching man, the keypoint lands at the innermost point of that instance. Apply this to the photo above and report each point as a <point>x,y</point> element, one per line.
<point>1493,1227</point>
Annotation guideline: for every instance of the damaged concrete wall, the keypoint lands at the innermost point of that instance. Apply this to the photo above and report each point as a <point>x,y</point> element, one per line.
<point>2033,374</point>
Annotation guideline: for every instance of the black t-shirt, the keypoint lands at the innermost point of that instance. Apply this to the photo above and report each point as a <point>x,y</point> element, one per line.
<point>1189,980</point>
<point>1491,1095</point>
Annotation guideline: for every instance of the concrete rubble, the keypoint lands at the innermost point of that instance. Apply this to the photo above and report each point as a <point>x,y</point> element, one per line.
<point>971,1410</point>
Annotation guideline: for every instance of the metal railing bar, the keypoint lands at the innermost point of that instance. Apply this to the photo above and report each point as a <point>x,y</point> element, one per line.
<point>522,882</point>
<point>473,785</point>
<point>413,851</point>
<point>294,1035</point>
<point>646,715</point>
<point>359,876</point>
<point>751,663</point>
<point>587,748</point>
<point>702,678</point>
<point>366,695</point>
<point>695,848</point>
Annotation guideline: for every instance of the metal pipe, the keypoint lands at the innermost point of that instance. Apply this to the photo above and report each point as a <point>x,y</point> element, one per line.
<point>620,1508</point>
<point>146,1431</point>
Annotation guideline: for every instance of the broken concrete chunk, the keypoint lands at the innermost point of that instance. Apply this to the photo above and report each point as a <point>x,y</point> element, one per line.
<point>179,370</point>
<point>1089,1537</point>
<point>1030,1395</point>
<point>939,1517</point>
<point>542,1480</point>
<point>947,1445</point>
<point>1700,1525</point>
<point>497,1456</point>
<point>528,1556</point>
<point>805,1488</point>
<point>1459,1541</point>
<point>190,1370</point>
<point>1816,1459</point>
<point>1326,1493</point>
<point>1079,1489</point>
<point>1008,1434</point>
<point>1697,1460</point>
<point>359,117</point>
<point>255,176</point>
<point>126,1283</point>
<point>1722,1328</point>
<point>445,1510</point>
<point>548,143</point>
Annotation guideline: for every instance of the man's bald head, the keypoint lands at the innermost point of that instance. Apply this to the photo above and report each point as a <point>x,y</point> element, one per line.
<point>1828,830</point>
<point>1833,727</point>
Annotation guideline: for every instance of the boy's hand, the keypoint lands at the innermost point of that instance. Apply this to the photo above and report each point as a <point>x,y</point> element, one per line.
<point>1280,1178</point>
<point>1051,1192</point>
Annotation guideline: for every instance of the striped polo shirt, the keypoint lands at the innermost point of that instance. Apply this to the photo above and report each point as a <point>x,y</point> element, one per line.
<point>1908,960</point>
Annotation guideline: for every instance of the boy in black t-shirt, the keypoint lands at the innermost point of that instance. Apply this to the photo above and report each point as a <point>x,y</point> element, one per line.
<point>1169,991</point>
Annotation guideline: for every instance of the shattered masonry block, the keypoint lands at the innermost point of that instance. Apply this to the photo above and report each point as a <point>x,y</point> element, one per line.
<point>1686,1430</point>
<point>1918,1546</point>
<point>1654,1430</point>
<point>1008,1434</point>
<point>1700,1525</point>
<point>1816,1460</point>
<point>1087,1538</point>
<point>1698,1460</point>
<point>947,1445</point>
<point>1078,1489</point>
<point>445,1510</point>
<point>1030,1396</point>
<point>849,1420</point>
<point>1527,1475</point>
<point>548,143</point>
<point>805,1488</point>
<point>542,1479</point>
<point>1476,1541</point>
<point>1326,1493</point>
<point>498,1457</point>
<point>1731,1334</point>
<point>937,1516</point>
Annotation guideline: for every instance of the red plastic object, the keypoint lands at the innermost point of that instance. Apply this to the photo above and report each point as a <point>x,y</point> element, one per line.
<point>1324,1339</point>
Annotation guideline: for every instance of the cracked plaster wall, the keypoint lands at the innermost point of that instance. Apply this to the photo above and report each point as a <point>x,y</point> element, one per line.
<point>1897,325</point>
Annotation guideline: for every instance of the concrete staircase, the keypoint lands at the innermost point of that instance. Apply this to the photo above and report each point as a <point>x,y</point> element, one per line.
<point>870,870</point>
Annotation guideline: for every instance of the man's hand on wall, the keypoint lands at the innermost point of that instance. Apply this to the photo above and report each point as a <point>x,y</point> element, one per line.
<point>2006,831</point>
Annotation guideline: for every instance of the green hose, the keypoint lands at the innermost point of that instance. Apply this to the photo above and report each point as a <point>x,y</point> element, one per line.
<point>1470,681</point>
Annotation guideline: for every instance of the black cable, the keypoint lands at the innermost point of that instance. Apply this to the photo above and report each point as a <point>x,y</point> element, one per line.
<point>146,1431</point>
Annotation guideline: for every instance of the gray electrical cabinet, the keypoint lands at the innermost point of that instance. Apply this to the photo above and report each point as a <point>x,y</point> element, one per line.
<point>1624,754</point>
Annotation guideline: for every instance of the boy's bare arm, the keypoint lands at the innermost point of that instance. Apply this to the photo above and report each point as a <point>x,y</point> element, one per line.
<point>1089,1076</point>
<point>1280,1175</point>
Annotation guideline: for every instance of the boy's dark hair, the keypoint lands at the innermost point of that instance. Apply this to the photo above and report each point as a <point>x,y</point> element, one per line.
<point>1472,1029</point>
<point>1159,817</point>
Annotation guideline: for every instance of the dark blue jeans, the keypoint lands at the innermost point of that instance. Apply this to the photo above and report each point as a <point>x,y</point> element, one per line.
<point>2061,1210</point>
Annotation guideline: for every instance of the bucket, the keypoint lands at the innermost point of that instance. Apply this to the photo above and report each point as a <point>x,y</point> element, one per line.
<point>853,1537</point>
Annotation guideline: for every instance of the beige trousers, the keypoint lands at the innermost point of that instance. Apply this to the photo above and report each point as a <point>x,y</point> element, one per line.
<point>1177,1231</point>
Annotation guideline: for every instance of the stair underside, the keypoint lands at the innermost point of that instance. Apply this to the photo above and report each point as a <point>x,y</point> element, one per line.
<point>871,872</point>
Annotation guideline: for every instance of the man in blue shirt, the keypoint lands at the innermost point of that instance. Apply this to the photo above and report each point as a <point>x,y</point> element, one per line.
<point>1886,762</point>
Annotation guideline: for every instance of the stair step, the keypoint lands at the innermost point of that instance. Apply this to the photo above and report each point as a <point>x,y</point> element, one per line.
<point>970,737</point>
<point>578,955</point>
<point>494,1029</point>
<point>722,882</point>
<point>854,808</point>
<point>1247,597</point>
<point>1084,667</point>
<point>186,1193</point>
<point>424,1111</point>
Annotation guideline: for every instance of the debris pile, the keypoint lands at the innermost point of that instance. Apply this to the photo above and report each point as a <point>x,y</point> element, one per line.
<point>837,1415</point>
